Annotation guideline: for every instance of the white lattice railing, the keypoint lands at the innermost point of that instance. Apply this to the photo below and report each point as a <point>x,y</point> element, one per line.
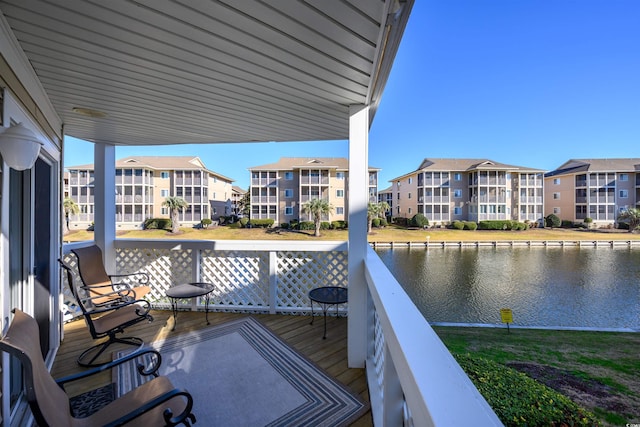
<point>412,376</point>
<point>253,276</point>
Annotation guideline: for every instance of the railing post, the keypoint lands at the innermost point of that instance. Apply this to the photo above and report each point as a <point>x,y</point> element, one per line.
<point>392,410</point>
<point>195,273</point>
<point>273,281</point>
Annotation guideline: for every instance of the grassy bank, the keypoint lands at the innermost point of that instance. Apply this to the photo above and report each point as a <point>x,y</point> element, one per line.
<point>597,370</point>
<point>387,234</point>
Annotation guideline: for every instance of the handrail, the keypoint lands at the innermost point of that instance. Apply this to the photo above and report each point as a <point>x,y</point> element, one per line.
<point>436,390</point>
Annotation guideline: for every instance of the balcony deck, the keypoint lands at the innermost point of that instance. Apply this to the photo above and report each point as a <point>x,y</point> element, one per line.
<point>329,354</point>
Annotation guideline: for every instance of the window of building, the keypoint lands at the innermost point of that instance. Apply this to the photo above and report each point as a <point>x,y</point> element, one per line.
<point>457,211</point>
<point>164,211</point>
<point>556,196</point>
<point>164,175</point>
<point>398,196</point>
<point>288,176</point>
<point>164,193</point>
<point>556,211</point>
<point>288,211</point>
<point>410,180</point>
<point>340,175</point>
<point>457,193</point>
<point>409,211</point>
<point>556,181</point>
<point>409,195</point>
<point>339,193</point>
<point>624,177</point>
<point>339,210</point>
<point>457,176</point>
<point>288,193</point>
<point>624,194</point>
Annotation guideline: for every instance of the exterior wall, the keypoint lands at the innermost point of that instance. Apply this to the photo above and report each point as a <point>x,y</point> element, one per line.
<point>443,196</point>
<point>280,193</point>
<point>560,197</point>
<point>140,192</point>
<point>599,195</point>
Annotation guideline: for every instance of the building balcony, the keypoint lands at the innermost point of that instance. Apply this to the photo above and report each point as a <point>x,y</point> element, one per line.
<point>410,374</point>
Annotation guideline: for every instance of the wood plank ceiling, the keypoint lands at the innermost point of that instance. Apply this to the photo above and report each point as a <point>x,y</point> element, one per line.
<point>203,71</point>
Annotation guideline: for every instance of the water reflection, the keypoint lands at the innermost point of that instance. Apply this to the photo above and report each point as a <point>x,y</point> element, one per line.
<point>567,287</point>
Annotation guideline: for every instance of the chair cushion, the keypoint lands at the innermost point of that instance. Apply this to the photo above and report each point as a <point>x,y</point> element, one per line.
<point>117,317</point>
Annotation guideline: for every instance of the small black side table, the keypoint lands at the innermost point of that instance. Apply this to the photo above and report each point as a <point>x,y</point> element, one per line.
<point>326,296</point>
<point>189,290</point>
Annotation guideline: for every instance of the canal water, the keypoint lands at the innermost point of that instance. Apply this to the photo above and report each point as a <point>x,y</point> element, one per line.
<point>551,287</point>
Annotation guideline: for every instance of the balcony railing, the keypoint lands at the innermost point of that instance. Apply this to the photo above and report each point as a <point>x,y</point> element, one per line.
<point>411,374</point>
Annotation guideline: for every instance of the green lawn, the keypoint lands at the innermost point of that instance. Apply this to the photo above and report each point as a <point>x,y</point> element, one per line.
<point>597,370</point>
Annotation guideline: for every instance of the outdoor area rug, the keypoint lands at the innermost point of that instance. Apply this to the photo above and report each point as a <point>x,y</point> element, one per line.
<point>241,374</point>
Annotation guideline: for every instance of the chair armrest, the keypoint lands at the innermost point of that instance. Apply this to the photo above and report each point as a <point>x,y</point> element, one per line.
<point>153,369</point>
<point>185,417</point>
<point>116,305</point>
<point>143,281</point>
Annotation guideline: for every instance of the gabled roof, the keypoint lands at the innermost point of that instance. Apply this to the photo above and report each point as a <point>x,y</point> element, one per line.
<point>466,165</point>
<point>574,166</point>
<point>160,163</point>
<point>293,163</point>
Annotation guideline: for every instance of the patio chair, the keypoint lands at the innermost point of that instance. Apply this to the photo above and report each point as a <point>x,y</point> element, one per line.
<point>154,403</point>
<point>106,320</point>
<point>101,285</point>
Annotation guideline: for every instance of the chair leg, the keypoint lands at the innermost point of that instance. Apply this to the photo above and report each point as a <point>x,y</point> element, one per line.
<point>101,347</point>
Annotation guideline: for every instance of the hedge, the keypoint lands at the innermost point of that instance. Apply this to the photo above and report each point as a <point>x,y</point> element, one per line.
<point>501,224</point>
<point>419,220</point>
<point>262,222</point>
<point>306,225</point>
<point>458,225</point>
<point>470,225</point>
<point>157,224</point>
<point>338,225</point>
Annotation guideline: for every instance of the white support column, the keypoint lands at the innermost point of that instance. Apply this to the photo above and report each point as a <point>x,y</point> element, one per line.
<point>104,214</point>
<point>273,281</point>
<point>358,201</point>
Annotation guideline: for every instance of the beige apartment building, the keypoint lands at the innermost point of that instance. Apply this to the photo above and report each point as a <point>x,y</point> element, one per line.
<point>446,190</point>
<point>279,189</point>
<point>237,194</point>
<point>144,182</point>
<point>599,189</point>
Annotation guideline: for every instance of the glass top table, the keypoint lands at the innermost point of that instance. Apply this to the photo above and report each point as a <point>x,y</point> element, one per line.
<point>327,296</point>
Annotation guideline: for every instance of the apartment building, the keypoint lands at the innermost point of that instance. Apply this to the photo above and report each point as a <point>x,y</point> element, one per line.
<point>144,182</point>
<point>279,189</point>
<point>237,194</point>
<point>593,188</point>
<point>386,196</point>
<point>446,190</point>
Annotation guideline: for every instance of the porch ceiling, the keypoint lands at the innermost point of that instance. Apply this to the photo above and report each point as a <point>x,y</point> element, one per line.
<point>203,71</point>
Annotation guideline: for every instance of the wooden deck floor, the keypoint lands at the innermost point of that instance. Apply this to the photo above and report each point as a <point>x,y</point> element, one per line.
<point>329,354</point>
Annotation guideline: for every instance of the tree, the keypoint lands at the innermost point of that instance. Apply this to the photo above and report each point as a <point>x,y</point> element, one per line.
<point>375,210</point>
<point>244,204</point>
<point>317,208</point>
<point>552,221</point>
<point>70,208</point>
<point>175,204</point>
<point>630,216</point>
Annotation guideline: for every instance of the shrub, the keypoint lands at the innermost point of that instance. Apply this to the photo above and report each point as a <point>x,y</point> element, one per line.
<point>494,225</point>
<point>403,222</point>
<point>470,225</point>
<point>375,222</point>
<point>552,221</point>
<point>383,222</point>
<point>518,399</point>
<point>206,222</point>
<point>243,222</point>
<point>325,225</point>
<point>567,224</point>
<point>338,225</point>
<point>306,225</point>
<point>284,225</point>
<point>419,220</point>
<point>262,222</point>
<point>458,225</point>
<point>157,224</point>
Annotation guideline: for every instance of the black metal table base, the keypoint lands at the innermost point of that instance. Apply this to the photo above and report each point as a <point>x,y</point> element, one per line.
<point>327,296</point>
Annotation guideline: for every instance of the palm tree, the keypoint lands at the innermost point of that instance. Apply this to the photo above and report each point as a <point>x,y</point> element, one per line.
<point>375,210</point>
<point>70,208</point>
<point>632,217</point>
<point>317,208</point>
<point>175,204</point>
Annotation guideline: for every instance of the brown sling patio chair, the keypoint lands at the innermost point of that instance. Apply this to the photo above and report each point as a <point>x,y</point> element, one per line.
<point>101,285</point>
<point>154,403</point>
<point>106,320</point>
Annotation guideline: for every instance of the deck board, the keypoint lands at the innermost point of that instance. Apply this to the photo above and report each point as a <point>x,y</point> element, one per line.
<point>329,354</point>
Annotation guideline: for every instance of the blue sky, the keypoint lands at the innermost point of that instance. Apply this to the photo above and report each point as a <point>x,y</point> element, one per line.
<point>529,83</point>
